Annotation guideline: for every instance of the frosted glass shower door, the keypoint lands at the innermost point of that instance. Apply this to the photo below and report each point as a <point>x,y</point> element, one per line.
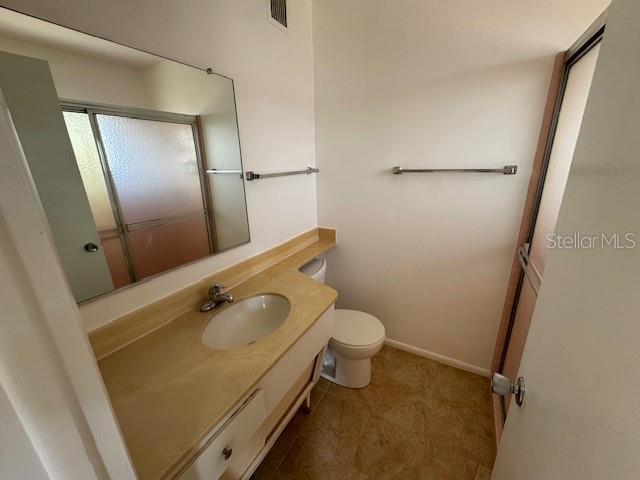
<point>95,184</point>
<point>155,174</point>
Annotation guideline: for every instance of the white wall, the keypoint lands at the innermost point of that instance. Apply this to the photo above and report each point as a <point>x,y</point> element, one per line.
<point>18,458</point>
<point>431,84</point>
<point>273,75</point>
<point>48,372</point>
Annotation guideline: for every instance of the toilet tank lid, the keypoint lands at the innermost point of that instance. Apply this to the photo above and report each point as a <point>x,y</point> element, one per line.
<point>357,328</point>
<point>313,267</point>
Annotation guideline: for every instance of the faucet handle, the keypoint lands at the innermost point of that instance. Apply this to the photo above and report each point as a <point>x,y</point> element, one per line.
<point>216,288</point>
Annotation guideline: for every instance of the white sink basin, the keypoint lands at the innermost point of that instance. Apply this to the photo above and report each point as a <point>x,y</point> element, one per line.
<point>246,321</point>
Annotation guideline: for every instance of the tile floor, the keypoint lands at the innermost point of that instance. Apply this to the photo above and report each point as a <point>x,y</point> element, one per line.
<point>417,420</point>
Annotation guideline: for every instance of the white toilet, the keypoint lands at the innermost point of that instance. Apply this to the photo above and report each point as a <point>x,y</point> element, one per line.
<point>357,337</point>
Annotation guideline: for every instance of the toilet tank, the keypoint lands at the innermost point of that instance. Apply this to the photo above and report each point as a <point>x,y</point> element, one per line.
<point>315,269</point>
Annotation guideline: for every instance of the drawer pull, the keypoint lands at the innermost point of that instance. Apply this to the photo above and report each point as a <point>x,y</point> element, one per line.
<point>227,452</point>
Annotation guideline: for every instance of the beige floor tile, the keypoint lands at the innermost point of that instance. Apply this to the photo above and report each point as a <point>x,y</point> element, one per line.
<point>406,367</point>
<point>483,473</point>
<point>441,465</point>
<point>417,420</point>
<point>320,472</point>
<point>386,447</point>
<point>322,385</point>
<point>326,442</point>
<point>404,472</point>
<point>335,414</point>
<point>389,398</point>
<point>318,391</point>
<point>278,452</point>
<point>458,387</point>
<point>462,428</point>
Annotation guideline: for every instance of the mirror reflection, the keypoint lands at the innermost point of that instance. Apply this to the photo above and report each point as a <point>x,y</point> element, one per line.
<point>136,158</point>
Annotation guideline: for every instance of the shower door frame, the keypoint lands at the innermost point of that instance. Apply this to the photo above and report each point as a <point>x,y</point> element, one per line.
<point>564,61</point>
<point>94,109</point>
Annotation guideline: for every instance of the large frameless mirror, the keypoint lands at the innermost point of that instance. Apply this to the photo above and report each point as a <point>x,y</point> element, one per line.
<point>136,158</point>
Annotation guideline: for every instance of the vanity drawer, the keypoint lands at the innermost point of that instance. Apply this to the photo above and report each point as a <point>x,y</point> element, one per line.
<point>228,440</point>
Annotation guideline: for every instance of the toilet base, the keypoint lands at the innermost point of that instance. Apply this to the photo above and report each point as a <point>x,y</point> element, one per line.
<point>346,372</point>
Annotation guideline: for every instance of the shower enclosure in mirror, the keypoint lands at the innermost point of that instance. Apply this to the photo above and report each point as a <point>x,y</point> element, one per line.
<point>136,158</point>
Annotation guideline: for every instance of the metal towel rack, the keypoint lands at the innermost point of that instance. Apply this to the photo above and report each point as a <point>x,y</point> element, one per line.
<point>506,170</point>
<point>215,171</point>
<point>258,176</point>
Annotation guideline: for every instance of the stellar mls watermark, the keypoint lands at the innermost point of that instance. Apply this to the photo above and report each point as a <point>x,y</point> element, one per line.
<point>578,240</point>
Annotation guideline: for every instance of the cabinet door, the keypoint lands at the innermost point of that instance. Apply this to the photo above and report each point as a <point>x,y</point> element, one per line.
<point>218,451</point>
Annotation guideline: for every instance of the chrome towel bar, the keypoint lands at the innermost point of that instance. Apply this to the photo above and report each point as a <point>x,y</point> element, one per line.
<point>506,170</point>
<point>215,171</point>
<point>258,176</point>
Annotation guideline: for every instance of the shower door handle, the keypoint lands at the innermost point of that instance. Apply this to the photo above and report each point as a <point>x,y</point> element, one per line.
<point>91,247</point>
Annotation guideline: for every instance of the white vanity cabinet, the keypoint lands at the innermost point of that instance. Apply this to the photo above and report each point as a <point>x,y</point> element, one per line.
<point>217,453</point>
<point>235,448</point>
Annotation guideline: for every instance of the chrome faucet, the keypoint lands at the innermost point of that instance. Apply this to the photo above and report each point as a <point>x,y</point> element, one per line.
<point>216,298</point>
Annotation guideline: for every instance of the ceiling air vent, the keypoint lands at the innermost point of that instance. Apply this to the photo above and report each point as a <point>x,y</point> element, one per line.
<point>278,12</point>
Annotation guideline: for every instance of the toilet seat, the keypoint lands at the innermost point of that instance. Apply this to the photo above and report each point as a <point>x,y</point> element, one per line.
<point>357,351</point>
<point>357,330</point>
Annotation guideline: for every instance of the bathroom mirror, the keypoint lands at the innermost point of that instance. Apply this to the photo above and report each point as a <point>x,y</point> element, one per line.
<point>136,158</point>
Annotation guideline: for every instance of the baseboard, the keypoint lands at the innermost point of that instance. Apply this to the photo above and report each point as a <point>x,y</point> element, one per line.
<point>452,362</point>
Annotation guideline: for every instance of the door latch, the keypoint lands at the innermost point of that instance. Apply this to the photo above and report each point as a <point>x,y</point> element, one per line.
<point>503,386</point>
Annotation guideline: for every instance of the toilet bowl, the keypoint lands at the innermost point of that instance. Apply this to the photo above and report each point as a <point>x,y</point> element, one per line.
<point>357,337</point>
